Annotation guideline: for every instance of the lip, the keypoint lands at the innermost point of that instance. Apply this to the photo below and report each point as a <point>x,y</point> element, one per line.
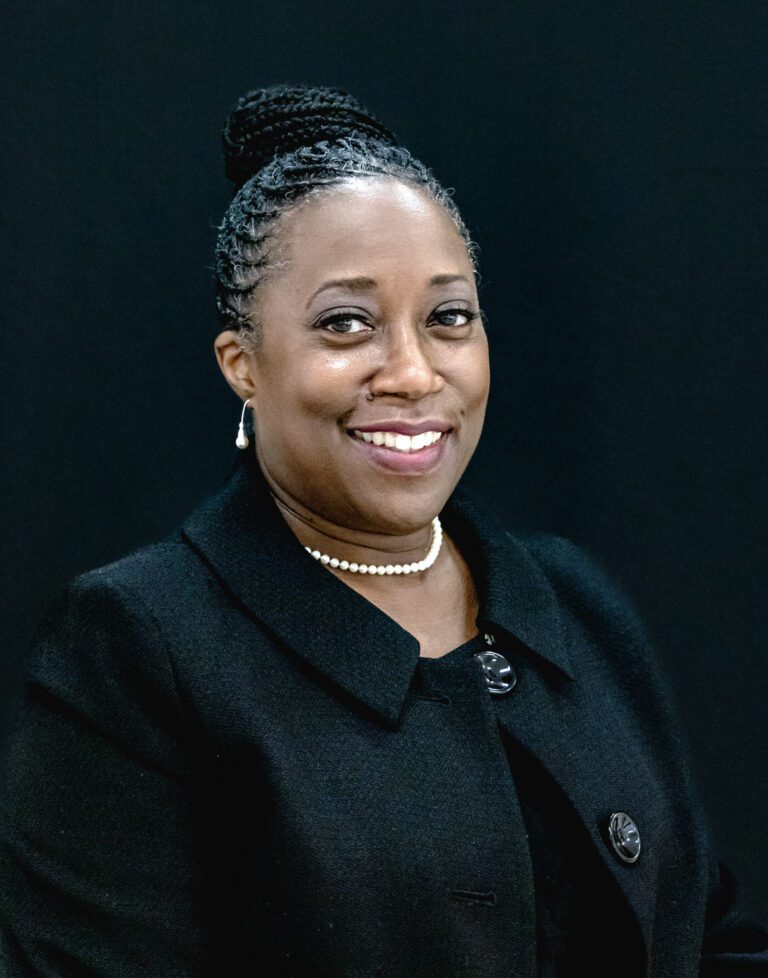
<point>423,460</point>
<point>404,427</point>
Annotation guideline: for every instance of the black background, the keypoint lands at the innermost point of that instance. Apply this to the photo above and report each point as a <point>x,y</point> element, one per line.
<point>609,158</point>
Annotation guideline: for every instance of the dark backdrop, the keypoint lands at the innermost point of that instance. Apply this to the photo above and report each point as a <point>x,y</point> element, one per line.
<point>609,157</point>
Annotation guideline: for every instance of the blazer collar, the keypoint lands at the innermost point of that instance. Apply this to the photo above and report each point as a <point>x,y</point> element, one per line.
<point>239,531</point>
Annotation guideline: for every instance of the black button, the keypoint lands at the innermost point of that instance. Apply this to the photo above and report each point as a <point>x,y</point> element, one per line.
<point>624,837</point>
<point>499,675</point>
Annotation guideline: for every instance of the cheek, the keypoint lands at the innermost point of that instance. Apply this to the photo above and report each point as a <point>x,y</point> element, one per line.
<point>323,387</point>
<point>336,371</point>
<point>473,378</point>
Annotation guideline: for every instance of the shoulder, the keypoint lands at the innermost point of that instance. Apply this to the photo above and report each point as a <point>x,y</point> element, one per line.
<point>551,568</point>
<point>583,583</point>
<point>142,571</point>
<point>611,630</point>
<point>139,583</point>
<point>108,617</point>
<point>579,574</point>
<point>98,670</point>
<point>571,565</point>
<point>603,624</point>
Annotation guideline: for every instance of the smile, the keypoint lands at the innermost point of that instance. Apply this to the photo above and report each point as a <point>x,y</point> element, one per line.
<point>404,454</point>
<point>398,442</point>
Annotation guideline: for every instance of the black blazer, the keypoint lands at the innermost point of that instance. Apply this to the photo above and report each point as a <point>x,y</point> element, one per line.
<point>220,766</point>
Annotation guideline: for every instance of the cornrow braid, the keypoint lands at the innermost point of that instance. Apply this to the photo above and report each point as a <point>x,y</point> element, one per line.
<point>287,144</point>
<point>278,120</point>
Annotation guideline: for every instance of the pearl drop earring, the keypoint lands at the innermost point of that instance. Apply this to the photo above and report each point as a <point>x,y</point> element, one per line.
<point>242,440</point>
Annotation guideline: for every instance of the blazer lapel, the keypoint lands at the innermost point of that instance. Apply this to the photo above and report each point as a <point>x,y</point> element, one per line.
<point>244,538</point>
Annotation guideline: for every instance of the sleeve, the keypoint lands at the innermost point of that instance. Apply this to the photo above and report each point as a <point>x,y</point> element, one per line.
<point>99,854</point>
<point>734,945</point>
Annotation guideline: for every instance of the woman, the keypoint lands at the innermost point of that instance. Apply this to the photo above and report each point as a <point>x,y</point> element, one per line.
<point>344,722</point>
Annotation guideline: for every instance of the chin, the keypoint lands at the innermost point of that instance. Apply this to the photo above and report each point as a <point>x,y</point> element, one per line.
<point>401,512</point>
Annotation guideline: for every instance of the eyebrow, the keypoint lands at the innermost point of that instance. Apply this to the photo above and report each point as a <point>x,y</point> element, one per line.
<point>362,283</point>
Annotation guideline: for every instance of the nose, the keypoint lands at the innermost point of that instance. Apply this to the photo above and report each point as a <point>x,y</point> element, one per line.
<point>407,368</point>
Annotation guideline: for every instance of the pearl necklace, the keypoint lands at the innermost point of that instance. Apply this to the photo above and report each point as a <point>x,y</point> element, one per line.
<point>415,567</point>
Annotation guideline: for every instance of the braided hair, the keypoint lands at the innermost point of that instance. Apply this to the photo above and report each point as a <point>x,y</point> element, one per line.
<point>286,144</point>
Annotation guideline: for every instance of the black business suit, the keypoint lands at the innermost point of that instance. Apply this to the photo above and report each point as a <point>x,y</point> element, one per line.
<point>228,762</point>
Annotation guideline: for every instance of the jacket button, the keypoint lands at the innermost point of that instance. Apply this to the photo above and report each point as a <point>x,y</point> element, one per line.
<point>624,837</point>
<point>499,675</point>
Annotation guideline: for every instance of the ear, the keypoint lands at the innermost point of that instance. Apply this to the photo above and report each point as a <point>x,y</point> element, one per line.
<point>237,365</point>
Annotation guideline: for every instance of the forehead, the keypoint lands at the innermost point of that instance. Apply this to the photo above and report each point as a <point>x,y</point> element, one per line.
<point>371,225</point>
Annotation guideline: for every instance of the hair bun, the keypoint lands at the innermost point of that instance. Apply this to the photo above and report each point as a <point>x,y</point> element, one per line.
<point>279,119</point>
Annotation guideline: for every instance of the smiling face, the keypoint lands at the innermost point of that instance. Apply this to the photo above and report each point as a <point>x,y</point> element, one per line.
<point>378,294</point>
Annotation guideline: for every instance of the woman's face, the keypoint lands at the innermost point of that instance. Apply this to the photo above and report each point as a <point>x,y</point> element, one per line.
<point>378,294</point>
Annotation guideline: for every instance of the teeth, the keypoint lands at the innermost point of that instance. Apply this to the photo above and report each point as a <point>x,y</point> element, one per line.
<point>400,443</point>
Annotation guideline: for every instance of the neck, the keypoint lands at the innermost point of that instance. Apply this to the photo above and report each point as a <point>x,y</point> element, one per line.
<point>350,543</point>
<point>353,545</point>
